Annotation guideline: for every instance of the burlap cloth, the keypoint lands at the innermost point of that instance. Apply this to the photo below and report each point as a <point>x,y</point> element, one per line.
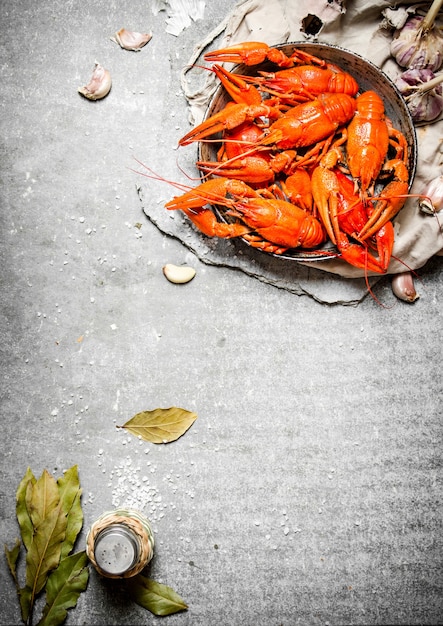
<point>361,26</point>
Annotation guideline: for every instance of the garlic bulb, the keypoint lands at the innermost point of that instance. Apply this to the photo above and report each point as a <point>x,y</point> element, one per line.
<point>432,196</point>
<point>129,40</point>
<point>423,93</point>
<point>419,43</point>
<point>100,84</point>
<point>403,287</point>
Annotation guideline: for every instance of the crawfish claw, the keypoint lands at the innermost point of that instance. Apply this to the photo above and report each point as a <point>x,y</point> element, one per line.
<point>249,53</point>
<point>227,119</point>
<point>240,91</point>
<point>255,52</point>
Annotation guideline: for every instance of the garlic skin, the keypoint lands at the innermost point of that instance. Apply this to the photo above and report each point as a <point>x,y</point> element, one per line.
<point>100,84</point>
<point>413,47</point>
<point>129,40</point>
<point>423,94</point>
<point>403,287</point>
<point>395,17</point>
<point>432,200</point>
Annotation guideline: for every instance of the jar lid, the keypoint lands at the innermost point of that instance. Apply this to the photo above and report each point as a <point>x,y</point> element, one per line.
<point>116,549</point>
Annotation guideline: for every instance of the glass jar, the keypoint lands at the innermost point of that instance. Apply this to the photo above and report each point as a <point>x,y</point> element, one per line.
<point>120,543</point>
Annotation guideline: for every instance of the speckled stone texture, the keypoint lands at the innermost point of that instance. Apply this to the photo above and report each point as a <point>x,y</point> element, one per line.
<point>309,489</point>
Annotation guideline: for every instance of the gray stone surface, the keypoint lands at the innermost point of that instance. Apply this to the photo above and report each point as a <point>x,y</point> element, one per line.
<point>309,490</point>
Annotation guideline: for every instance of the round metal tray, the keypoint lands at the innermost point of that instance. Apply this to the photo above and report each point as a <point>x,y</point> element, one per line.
<point>368,76</point>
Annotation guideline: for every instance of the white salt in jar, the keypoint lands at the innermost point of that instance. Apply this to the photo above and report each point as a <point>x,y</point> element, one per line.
<point>120,543</point>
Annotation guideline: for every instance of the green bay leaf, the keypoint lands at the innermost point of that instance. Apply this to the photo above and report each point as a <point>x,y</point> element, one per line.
<point>44,553</point>
<point>64,586</point>
<point>50,517</point>
<point>11,559</point>
<point>156,597</point>
<point>42,498</point>
<point>23,518</point>
<point>70,493</point>
<point>161,425</point>
<point>26,604</point>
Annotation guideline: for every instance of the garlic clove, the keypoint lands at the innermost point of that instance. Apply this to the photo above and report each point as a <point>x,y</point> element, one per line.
<point>432,197</point>
<point>100,84</point>
<point>129,40</point>
<point>178,274</point>
<point>403,287</point>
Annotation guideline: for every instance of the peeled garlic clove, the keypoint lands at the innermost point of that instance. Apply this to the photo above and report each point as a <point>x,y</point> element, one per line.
<point>432,197</point>
<point>403,287</point>
<point>100,84</point>
<point>129,40</point>
<point>178,274</point>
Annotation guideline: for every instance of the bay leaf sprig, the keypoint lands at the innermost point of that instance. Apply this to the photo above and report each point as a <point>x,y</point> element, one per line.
<point>160,425</point>
<point>50,518</point>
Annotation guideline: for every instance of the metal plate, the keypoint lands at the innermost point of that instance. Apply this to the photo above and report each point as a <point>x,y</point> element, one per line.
<point>368,76</point>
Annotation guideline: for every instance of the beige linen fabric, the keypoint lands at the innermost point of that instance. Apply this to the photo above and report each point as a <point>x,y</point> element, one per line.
<point>361,26</point>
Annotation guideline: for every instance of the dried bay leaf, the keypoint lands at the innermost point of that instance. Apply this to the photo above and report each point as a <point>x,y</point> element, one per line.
<point>161,425</point>
<point>156,597</point>
<point>64,587</point>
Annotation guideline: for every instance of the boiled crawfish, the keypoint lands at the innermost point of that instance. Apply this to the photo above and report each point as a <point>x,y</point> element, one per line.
<point>301,126</point>
<point>325,152</point>
<point>276,225</point>
<point>345,216</point>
